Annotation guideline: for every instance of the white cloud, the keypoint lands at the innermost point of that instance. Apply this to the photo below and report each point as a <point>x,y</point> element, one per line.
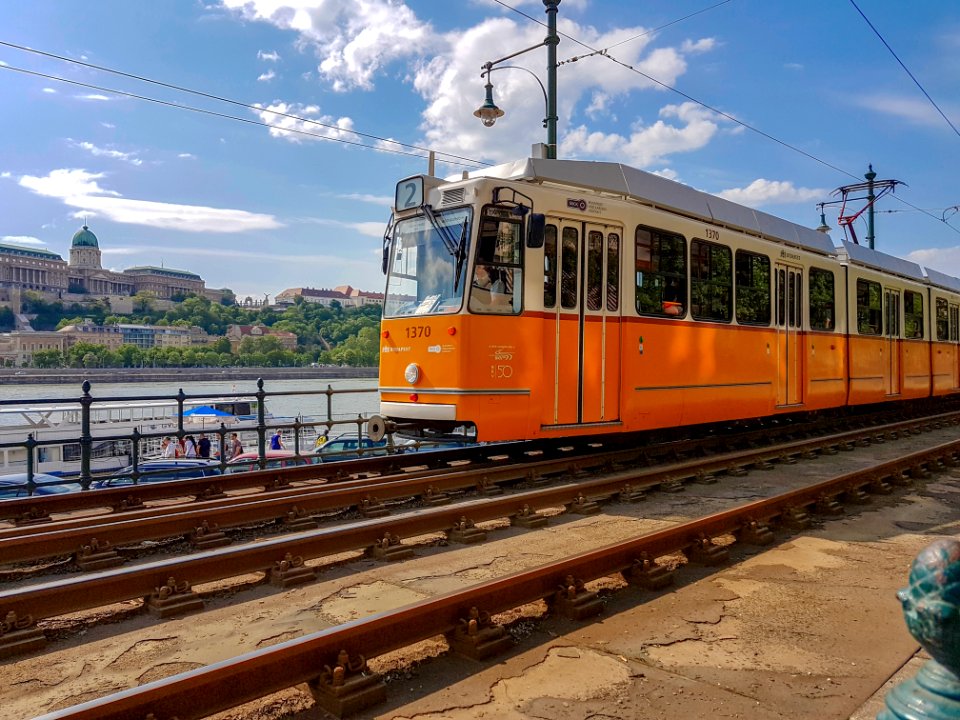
<point>352,40</point>
<point>49,91</point>
<point>646,145</point>
<point>109,126</point>
<point>291,129</point>
<point>79,189</point>
<point>772,192</point>
<point>946,260</point>
<point>272,56</point>
<point>384,200</point>
<point>370,229</point>
<point>698,46</point>
<point>267,76</point>
<point>186,156</point>
<point>106,152</point>
<point>22,240</point>
<point>914,110</point>
<point>94,96</point>
<point>5,174</point>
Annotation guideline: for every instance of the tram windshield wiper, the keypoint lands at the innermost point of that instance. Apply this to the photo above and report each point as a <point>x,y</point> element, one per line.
<point>457,248</point>
<point>388,241</point>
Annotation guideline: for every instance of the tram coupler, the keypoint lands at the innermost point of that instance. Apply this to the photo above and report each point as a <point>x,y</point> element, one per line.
<point>527,517</point>
<point>20,635</point>
<point>97,555</point>
<point>465,532</point>
<point>583,506</point>
<point>207,536</point>
<point>290,571</point>
<point>348,687</point>
<point>389,549</point>
<point>631,494</point>
<point>33,516</point>
<point>371,507</point>
<point>478,637</point>
<point>298,519</point>
<point>648,574</point>
<point>703,551</point>
<point>435,498</point>
<point>173,598</point>
<point>574,601</point>
<point>755,533</point>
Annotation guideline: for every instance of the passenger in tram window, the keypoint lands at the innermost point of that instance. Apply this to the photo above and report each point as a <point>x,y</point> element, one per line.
<point>672,302</point>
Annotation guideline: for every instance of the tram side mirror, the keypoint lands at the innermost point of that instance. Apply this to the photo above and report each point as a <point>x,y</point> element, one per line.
<point>538,221</point>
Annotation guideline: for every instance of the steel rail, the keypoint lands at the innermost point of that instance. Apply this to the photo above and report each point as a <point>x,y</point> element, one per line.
<point>50,599</point>
<point>224,685</point>
<point>66,537</point>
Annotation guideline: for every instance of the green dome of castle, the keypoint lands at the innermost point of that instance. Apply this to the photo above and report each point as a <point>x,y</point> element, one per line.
<point>84,238</point>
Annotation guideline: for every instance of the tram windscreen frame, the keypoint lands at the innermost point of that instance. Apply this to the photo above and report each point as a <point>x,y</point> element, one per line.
<point>423,271</point>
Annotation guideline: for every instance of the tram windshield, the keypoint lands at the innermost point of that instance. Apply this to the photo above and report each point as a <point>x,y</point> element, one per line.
<point>426,274</point>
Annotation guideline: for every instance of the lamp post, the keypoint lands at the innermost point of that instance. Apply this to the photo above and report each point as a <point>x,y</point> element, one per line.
<point>489,113</point>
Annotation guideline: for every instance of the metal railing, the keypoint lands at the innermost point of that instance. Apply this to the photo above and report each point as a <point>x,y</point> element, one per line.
<point>141,446</point>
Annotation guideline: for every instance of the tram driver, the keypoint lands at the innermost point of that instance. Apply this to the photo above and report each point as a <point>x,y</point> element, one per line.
<point>489,292</point>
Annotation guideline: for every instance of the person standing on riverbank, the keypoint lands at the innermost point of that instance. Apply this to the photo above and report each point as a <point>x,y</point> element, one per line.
<point>276,440</point>
<point>234,448</point>
<point>168,449</point>
<point>203,446</point>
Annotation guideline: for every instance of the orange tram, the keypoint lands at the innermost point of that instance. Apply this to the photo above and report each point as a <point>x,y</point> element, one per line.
<point>553,298</point>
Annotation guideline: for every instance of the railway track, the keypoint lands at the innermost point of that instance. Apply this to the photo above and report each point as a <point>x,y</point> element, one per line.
<point>167,584</point>
<point>229,683</point>
<point>92,540</point>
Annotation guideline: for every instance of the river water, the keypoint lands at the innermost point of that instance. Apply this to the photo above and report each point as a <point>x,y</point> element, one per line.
<point>346,405</point>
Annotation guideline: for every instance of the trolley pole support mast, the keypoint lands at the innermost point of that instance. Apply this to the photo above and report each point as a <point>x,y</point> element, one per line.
<point>875,189</point>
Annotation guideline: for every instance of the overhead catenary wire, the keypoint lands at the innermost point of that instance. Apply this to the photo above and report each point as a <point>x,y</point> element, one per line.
<point>604,53</point>
<point>227,116</point>
<point>905,68</point>
<point>230,101</point>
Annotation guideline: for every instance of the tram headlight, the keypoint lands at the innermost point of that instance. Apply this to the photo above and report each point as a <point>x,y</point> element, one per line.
<point>412,373</point>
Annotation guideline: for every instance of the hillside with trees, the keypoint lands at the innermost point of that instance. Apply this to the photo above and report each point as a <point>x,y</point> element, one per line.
<point>327,335</point>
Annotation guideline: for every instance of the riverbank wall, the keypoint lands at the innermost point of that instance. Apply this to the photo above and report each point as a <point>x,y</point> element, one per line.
<point>61,376</point>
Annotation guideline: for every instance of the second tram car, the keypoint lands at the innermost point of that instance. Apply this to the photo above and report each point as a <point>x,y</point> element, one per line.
<point>546,298</point>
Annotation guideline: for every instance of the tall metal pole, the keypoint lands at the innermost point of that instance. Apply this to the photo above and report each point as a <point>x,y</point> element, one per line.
<point>551,41</point>
<point>870,176</point>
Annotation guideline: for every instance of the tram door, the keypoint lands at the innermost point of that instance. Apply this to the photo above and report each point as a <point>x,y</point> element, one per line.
<point>891,345</point>
<point>789,282</point>
<point>582,328</point>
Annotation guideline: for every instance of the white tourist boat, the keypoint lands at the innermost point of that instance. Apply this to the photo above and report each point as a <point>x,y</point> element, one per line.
<point>57,429</point>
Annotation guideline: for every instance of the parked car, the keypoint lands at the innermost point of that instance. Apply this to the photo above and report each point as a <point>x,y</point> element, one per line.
<point>160,470</point>
<point>347,447</point>
<point>247,461</point>
<point>15,485</point>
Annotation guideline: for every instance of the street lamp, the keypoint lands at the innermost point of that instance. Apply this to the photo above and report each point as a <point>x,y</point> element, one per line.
<point>489,112</point>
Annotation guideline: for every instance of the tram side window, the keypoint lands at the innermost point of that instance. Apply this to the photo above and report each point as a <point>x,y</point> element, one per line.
<point>822,299</point>
<point>569,254</point>
<point>594,270</point>
<point>498,276</point>
<point>613,272</point>
<point>954,323</point>
<point>753,288</point>
<point>550,266</point>
<point>913,314</point>
<point>869,307</point>
<point>943,319</point>
<point>711,281</point>
<point>661,273</point>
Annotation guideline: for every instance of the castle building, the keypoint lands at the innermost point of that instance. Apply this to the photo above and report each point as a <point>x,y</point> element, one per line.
<point>346,295</point>
<point>23,268</point>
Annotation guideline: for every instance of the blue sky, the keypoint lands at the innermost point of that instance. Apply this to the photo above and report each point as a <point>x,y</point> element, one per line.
<point>257,208</point>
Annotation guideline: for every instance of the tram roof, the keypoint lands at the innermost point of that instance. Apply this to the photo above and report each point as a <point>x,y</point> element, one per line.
<point>941,279</point>
<point>646,187</point>
<point>862,255</point>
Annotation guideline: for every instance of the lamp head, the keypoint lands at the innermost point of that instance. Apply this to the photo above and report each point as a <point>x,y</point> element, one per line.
<point>488,112</point>
<point>824,228</point>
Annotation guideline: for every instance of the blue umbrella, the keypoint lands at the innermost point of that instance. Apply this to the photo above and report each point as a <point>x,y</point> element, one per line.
<point>206,410</point>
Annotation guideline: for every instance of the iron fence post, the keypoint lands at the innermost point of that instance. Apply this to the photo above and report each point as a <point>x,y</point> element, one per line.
<point>261,425</point>
<point>135,454</point>
<point>222,432</point>
<point>86,441</point>
<point>31,444</point>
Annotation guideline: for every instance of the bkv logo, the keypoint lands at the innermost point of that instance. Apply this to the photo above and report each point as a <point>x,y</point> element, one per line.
<point>578,204</point>
<point>502,355</point>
